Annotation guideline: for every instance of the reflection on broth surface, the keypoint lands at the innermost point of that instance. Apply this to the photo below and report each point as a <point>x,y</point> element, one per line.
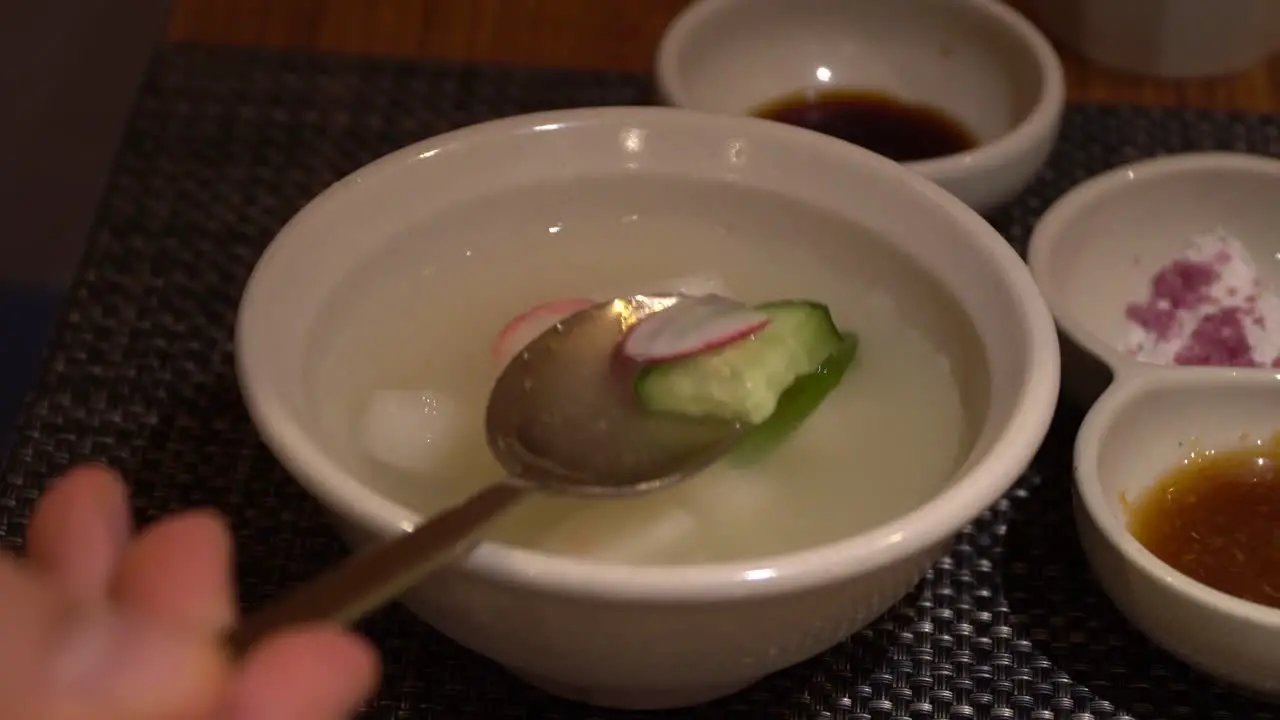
<point>425,316</point>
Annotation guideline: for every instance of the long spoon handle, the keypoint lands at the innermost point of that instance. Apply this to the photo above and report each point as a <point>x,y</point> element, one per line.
<point>370,579</point>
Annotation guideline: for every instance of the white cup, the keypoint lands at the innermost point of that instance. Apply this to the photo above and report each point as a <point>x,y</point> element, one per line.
<point>1165,38</point>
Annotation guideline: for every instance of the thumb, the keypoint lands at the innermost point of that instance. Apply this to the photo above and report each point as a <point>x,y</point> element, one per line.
<point>61,660</point>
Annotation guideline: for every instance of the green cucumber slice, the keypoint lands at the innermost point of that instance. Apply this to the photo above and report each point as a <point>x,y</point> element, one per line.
<point>795,405</point>
<point>743,381</point>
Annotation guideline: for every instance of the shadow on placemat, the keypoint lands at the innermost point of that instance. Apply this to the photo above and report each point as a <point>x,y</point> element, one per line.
<point>226,144</point>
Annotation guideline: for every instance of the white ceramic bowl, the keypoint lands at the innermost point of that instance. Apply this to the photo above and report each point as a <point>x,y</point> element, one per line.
<point>1137,432</point>
<point>1092,253</point>
<point>650,637</point>
<point>977,60</point>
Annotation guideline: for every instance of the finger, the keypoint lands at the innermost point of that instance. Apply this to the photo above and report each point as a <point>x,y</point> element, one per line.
<point>79,530</point>
<point>305,674</point>
<point>180,568</point>
<point>61,659</point>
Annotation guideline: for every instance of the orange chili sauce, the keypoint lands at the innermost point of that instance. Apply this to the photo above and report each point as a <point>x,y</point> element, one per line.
<point>1216,518</point>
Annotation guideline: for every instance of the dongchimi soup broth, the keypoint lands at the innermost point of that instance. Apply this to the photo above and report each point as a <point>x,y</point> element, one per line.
<point>424,318</point>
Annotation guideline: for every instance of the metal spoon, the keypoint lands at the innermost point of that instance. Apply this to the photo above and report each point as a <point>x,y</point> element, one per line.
<point>561,418</point>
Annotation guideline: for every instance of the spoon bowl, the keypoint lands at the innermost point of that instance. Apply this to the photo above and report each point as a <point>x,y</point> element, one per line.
<point>562,416</point>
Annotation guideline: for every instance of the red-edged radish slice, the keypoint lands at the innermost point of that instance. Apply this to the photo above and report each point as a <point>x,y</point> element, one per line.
<point>692,326</point>
<point>528,325</point>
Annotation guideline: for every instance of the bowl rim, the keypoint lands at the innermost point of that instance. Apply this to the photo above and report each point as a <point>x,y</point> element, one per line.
<point>1097,425</point>
<point>932,523</point>
<point>1052,229</point>
<point>1003,150</point>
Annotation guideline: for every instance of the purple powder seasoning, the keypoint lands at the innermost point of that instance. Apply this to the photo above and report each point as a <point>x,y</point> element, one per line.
<point>1219,339</point>
<point>1157,320</point>
<point>1181,285</point>
<point>1184,284</point>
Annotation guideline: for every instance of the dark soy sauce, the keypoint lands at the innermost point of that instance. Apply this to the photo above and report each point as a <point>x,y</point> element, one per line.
<point>881,123</point>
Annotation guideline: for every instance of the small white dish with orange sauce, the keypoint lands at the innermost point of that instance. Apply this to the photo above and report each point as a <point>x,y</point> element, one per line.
<point>1177,487</point>
<point>1132,439</point>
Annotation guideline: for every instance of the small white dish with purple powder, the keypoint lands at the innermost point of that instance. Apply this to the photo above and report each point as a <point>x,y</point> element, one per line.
<point>1164,279</point>
<point>1168,262</point>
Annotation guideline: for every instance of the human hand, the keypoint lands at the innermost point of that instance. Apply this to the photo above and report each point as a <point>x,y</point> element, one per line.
<point>99,622</point>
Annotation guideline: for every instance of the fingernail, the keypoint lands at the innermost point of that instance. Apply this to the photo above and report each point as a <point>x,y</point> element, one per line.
<point>137,664</point>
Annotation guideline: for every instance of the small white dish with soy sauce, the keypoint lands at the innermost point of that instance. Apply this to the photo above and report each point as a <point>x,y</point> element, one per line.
<point>967,93</point>
<point>1163,278</point>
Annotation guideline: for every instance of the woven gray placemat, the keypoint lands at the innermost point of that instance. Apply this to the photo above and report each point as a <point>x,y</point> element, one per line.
<point>226,144</point>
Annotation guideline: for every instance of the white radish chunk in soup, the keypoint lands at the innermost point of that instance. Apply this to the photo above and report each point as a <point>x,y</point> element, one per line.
<point>407,429</point>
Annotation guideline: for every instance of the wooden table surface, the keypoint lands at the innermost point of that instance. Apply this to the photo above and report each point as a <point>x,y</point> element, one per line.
<point>590,34</point>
